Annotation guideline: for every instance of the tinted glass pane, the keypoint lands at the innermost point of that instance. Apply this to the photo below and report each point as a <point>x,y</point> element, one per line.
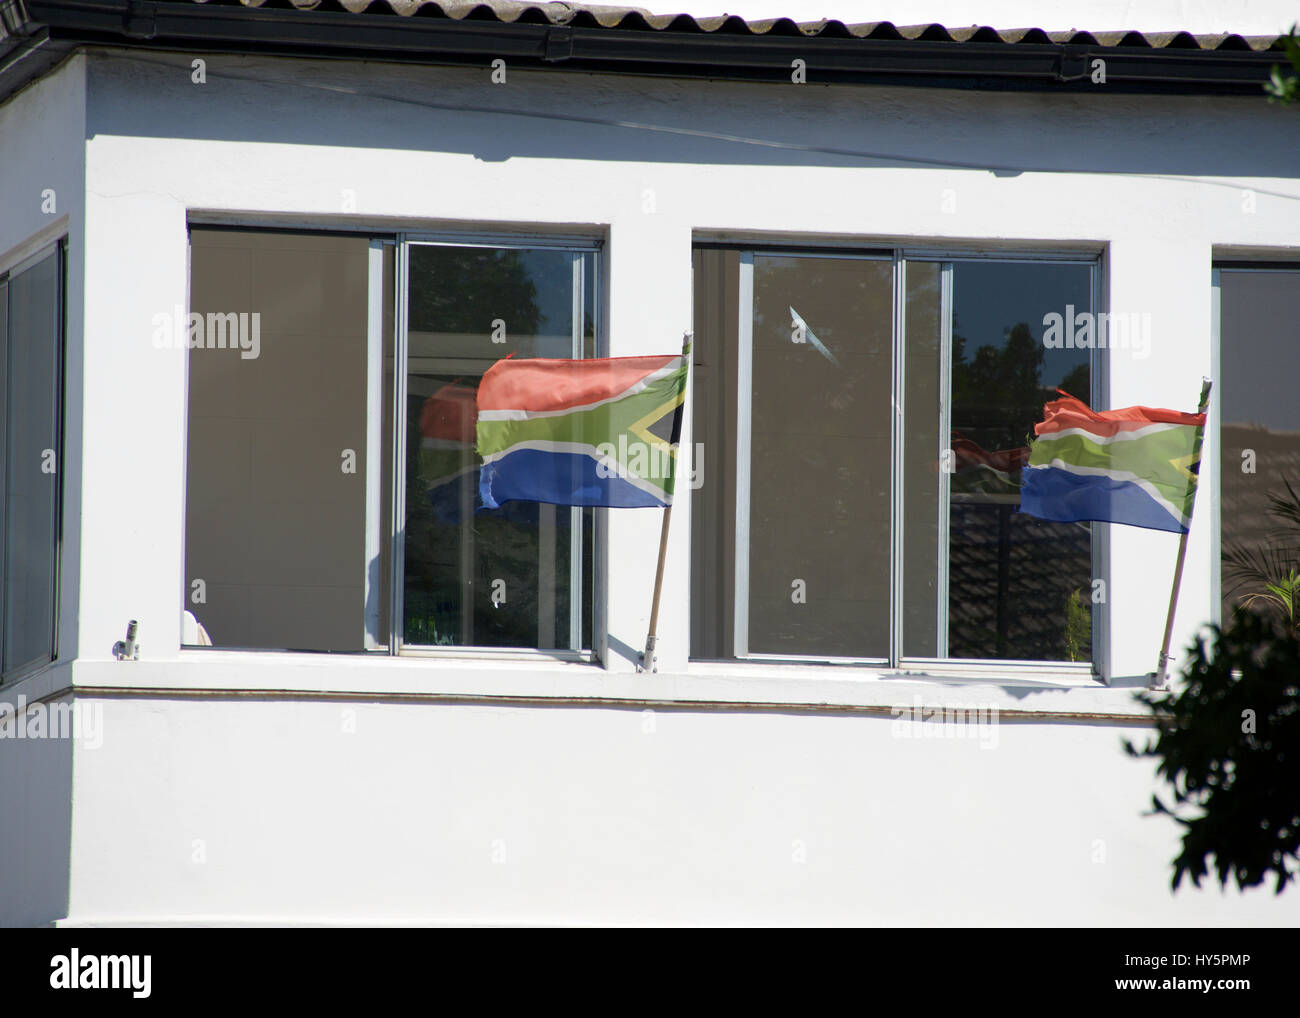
<point>519,575</point>
<point>712,407</point>
<point>275,550</point>
<point>1018,587</point>
<point>32,470</point>
<point>1259,413</point>
<point>820,456</point>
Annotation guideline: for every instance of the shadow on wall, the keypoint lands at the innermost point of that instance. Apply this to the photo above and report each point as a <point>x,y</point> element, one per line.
<point>36,832</point>
<point>553,115</point>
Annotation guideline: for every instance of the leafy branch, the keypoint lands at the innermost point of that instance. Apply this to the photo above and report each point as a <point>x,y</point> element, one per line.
<point>1228,743</point>
<point>1285,88</point>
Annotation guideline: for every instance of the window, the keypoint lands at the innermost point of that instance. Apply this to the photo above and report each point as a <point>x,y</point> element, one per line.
<point>520,575</point>
<point>319,519</point>
<point>31,350</point>
<point>1259,428</point>
<point>866,416</point>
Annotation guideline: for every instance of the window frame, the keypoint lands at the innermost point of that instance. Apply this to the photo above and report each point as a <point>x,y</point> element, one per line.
<point>57,249</point>
<point>1098,668</point>
<point>578,246</point>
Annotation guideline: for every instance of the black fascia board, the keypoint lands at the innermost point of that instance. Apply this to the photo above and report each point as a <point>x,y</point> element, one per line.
<point>210,28</point>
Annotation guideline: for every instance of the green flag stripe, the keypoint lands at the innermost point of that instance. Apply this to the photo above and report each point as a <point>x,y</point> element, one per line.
<point>590,427</point>
<point>1151,458</point>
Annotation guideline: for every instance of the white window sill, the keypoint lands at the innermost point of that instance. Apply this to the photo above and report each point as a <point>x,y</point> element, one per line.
<point>544,681</point>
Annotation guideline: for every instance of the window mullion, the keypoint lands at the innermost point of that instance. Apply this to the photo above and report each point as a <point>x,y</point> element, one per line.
<point>397,610</point>
<point>897,438</point>
<point>1098,399</point>
<point>374,440</point>
<point>744,420</point>
<point>575,512</point>
<point>945,455</point>
<point>1211,453</point>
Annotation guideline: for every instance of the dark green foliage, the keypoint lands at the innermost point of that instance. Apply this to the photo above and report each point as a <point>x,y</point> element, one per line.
<point>1007,378</point>
<point>1285,88</point>
<point>462,290</point>
<point>1228,743</point>
<point>1078,626</point>
<point>1266,577</point>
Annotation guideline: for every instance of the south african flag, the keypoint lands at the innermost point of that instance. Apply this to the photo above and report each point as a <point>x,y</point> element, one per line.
<point>1136,466</point>
<point>597,432</point>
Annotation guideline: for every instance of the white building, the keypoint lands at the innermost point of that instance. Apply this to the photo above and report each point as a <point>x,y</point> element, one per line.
<point>406,717</point>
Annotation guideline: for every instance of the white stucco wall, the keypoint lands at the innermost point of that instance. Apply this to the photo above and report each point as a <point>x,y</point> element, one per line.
<point>703,818</point>
<point>264,811</point>
<point>42,197</point>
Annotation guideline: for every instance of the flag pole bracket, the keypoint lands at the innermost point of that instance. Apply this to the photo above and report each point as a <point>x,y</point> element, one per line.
<point>649,661</point>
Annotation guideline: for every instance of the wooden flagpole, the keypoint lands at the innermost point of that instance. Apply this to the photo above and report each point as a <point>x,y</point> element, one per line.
<point>1159,678</point>
<point>648,660</point>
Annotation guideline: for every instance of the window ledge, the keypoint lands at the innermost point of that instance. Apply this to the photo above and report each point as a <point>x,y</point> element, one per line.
<point>1002,673</point>
<point>740,686</point>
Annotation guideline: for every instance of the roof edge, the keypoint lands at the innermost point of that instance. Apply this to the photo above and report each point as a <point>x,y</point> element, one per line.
<point>36,34</point>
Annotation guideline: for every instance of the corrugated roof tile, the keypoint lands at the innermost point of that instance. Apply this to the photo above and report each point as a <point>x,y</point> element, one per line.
<point>563,12</point>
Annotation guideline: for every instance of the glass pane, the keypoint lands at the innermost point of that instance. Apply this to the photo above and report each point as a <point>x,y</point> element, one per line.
<point>275,550</point>
<point>1018,587</point>
<point>820,456</point>
<point>922,462</point>
<point>506,577</point>
<point>384,525</point>
<point>4,445</point>
<point>32,472</point>
<point>1260,429</point>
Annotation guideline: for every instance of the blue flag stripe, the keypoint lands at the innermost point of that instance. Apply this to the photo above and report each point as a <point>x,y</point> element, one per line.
<point>558,477</point>
<point>1051,493</point>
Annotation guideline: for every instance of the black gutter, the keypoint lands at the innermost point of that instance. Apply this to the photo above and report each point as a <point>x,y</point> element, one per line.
<point>59,27</point>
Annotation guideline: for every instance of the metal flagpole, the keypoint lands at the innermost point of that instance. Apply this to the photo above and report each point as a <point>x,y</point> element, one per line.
<point>648,661</point>
<point>1158,677</point>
